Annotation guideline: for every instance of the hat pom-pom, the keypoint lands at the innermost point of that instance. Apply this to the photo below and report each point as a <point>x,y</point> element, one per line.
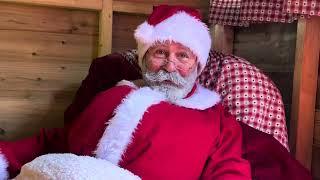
<point>144,33</point>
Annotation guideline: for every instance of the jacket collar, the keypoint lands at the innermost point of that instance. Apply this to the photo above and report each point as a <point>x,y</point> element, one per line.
<point>199,98</point>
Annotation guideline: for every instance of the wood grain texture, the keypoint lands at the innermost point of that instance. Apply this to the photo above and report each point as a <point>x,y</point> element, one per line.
<point>222,38</point>
<point>48,44</point>
<point>23,113</point>
<point>45,53</point>
<point>304,89</point>
<point>105,28</point>
<point>192,3</point>
<point>123,28</point>
<point>145,6</point>
<point>39,76</point>
<point>73,4</point>
<point>45,19</point>
<point>132,7</point>
<point>271,47</point>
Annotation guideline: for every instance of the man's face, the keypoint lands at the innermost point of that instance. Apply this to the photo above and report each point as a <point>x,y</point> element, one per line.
<point>170,68</point>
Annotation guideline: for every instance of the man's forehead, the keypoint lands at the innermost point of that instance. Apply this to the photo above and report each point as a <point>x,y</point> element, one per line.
<point>168,43</point>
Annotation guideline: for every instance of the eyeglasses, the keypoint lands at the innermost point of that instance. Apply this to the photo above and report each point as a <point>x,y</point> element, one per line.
<point>181,60</point>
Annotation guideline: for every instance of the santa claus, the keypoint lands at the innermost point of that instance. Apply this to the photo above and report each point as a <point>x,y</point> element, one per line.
<point>164,126</point>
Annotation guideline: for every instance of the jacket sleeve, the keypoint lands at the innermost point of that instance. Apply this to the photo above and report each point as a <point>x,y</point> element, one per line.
<point>15,154</point>
<point>225,161</point>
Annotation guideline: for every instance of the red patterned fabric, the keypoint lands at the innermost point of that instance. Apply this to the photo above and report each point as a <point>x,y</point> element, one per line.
<point>307,7</point>
<point>226,12</point>
<point>244,12</point>
<point>265,11</point>
<point>248,93</point>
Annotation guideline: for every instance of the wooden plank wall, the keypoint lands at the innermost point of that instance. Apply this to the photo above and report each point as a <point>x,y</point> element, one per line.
<point>123,29</point>
<point>45,53</point>
<point>145,6</point>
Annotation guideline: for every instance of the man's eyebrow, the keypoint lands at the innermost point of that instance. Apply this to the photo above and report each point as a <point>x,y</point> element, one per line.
<point>159,46</point>
<point>186,50</point>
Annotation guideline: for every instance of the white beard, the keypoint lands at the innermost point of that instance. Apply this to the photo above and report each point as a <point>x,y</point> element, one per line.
<point>179,89</point>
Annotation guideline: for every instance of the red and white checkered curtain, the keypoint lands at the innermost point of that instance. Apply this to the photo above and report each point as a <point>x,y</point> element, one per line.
<point>244,12</point>
<point>306,7</point>
<point>226,12</point>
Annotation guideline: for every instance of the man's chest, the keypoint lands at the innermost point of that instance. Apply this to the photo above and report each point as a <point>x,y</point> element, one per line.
<point>171,137</point>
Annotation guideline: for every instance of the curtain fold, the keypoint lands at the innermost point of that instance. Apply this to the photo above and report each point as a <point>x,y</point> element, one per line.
<point>245,12</point>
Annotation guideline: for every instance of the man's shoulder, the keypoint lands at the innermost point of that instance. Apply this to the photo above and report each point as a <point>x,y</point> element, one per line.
<point>217,108</point>
<point>114,94</point>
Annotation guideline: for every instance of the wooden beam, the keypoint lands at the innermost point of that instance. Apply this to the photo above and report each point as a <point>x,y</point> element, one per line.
<point>105,28</point>
<point>17,17</point>
<point>304,89</point>
<point>146,6</point>
<point>222,38</point>
<point>132,7</point>
<point>73,4</point>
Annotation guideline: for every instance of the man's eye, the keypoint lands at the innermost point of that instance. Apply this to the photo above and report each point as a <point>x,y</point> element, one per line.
<point>160,52</point>
<point>183,55</point>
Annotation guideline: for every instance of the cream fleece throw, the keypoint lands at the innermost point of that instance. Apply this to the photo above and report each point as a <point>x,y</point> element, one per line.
<point>72,167</point>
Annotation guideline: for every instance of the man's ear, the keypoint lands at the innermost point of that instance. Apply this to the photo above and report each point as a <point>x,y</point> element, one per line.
<point>198,66</point>
<point>143,63</point>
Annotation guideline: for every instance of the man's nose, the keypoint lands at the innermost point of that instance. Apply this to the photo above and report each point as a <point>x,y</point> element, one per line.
<point>170,65</point>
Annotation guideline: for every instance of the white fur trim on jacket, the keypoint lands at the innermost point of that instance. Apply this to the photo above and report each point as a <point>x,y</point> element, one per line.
<point>118,134</point>
<point>128,114</point>
<point>4,174</point>
<point>181,28</point>
<point>127,83</point>
<point>201,99</point>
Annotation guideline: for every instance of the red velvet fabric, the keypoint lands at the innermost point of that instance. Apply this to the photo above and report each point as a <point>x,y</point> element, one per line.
<point>268,158</point>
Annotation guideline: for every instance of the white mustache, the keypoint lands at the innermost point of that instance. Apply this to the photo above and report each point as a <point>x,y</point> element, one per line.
<point>162,75</point>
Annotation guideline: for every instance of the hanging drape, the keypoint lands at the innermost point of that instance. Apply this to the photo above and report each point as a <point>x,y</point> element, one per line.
<point>244,12</point>
<point>306,7</point>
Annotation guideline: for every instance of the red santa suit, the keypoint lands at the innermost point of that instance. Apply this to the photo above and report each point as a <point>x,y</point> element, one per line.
<point>139,130</point>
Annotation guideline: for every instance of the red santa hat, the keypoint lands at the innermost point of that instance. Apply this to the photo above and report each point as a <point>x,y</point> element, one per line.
<point>175,23</point>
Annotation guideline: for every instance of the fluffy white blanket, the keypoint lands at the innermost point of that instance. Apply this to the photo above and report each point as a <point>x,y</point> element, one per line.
<point>72,167</point>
